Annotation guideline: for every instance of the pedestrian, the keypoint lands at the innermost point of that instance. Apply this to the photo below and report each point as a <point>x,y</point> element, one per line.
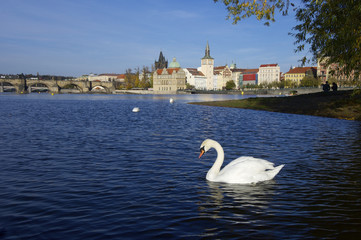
<point>334,86</point>
<point>326,87</point>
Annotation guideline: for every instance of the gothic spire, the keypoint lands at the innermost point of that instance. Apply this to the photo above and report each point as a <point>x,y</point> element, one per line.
<point>161,63</point>
<point>161,57</point>
<point>207,52</point>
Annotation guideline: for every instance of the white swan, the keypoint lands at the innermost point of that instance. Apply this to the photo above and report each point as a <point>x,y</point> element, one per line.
<point>136,109</point>
<point>242,170</point>
<point>171,100</point>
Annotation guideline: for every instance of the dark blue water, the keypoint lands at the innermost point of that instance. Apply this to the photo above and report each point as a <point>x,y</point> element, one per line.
<point>87,167</point>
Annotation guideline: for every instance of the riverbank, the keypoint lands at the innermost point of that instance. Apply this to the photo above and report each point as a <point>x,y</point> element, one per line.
<point>340,104</point>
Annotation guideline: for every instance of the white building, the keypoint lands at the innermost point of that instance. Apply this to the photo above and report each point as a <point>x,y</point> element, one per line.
<point>105,77</point>
<point>208,77</point>
<point>224,74</point>
<point>196,78</point>
<point>269,73</point>
<point>236,73</point>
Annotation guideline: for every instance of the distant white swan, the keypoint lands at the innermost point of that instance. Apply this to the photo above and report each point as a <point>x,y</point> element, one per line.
<point>136,109</point>
<point>242,170</point>
<point>171,100</point>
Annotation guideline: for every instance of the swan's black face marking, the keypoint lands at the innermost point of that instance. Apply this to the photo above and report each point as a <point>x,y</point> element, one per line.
<point>202,152</point>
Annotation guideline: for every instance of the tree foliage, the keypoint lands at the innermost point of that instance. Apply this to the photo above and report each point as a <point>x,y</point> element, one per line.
<point>230,85</point>
<point>310,81</point>
<point>189,86</point>
<point>130,79</point>
<point>138,79</point>
<point>330,28</point>
<point>263,9</point>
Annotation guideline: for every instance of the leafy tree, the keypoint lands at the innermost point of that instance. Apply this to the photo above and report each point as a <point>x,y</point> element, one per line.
<point>144,79</point>
<point>310,81</point>
<point>136,78</point>
<point>150,83</point>
<point>263,10</point>
<point>289,83</point>
<point>230,85</point>
<point>129,79</point>
<point>331,28</point>
<point>189,86</point>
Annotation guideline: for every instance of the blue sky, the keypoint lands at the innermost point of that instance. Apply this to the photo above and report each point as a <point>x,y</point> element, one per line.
<point>75,37</point>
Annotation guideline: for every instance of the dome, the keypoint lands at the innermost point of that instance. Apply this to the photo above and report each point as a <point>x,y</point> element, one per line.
<point>174,64</point>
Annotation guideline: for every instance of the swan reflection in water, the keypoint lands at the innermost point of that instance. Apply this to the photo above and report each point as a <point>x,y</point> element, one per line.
<point>254,197</point>
<point>242,204</point>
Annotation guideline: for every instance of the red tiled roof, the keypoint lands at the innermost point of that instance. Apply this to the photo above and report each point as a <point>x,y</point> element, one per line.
<point>269,65</point>
<point>169,70</point>
<point>109,74</point>
<point>237,69</point>
<point>249,71</point>
<point>219,68</point>
<point>194,71</point>
<point>121,76</point>
<point>300,70</point>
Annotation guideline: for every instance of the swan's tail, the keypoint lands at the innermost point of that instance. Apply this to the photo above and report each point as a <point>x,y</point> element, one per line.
<point>272,173</point>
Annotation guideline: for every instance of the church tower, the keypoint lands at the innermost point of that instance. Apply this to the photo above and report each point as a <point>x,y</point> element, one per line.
<point>161,63</point>
<point>207,67</point>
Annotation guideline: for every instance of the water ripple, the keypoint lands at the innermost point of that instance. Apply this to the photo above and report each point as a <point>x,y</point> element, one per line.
<point>87,167</point>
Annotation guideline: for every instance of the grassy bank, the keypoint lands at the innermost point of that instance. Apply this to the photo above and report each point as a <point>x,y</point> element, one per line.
<point>341,104</point>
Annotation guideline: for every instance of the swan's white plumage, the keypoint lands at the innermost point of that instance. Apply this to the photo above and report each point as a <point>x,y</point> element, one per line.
<point>242,170</point>
<point>136,109</point>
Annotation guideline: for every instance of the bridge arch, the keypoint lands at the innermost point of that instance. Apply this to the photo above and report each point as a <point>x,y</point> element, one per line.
<point>70,88</point>
<point>38,87</point>
<point>99,89</point>
<point>7,87</point>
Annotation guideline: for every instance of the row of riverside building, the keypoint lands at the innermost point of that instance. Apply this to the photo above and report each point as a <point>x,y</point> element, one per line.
<point>169,79</point>
<point>172,78</point>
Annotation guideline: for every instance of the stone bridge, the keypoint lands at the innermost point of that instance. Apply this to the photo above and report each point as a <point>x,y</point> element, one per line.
<point>56,86</point>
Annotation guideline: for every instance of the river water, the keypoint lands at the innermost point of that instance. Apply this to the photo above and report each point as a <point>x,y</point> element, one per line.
<point>87,167</point>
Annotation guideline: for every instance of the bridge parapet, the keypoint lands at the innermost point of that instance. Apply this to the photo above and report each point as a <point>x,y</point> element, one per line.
<point>55,86</point>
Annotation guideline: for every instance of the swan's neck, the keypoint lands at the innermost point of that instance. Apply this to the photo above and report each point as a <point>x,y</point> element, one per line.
<point>213,172</point>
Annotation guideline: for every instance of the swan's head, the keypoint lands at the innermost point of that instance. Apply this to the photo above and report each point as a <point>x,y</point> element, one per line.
<point>205,146</point>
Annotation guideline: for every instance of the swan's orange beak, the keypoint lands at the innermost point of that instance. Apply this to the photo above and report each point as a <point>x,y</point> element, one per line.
<point>202,152</point>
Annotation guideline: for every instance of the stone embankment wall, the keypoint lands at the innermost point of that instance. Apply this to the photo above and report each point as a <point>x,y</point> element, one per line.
<point>285,91</point>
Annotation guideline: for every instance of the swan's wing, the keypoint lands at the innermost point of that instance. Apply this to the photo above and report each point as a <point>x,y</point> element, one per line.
<point>246,170</point>
<point>248,165</point>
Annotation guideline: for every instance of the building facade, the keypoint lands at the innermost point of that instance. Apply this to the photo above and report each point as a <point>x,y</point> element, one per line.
<point>269,73</point>
<point>195,78</point>
<point>224,74</point>
<point>105,77</point>
<point>169,80</point>
<point>248,77</point>
<point>296,74</point>
<point>236,72</point>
